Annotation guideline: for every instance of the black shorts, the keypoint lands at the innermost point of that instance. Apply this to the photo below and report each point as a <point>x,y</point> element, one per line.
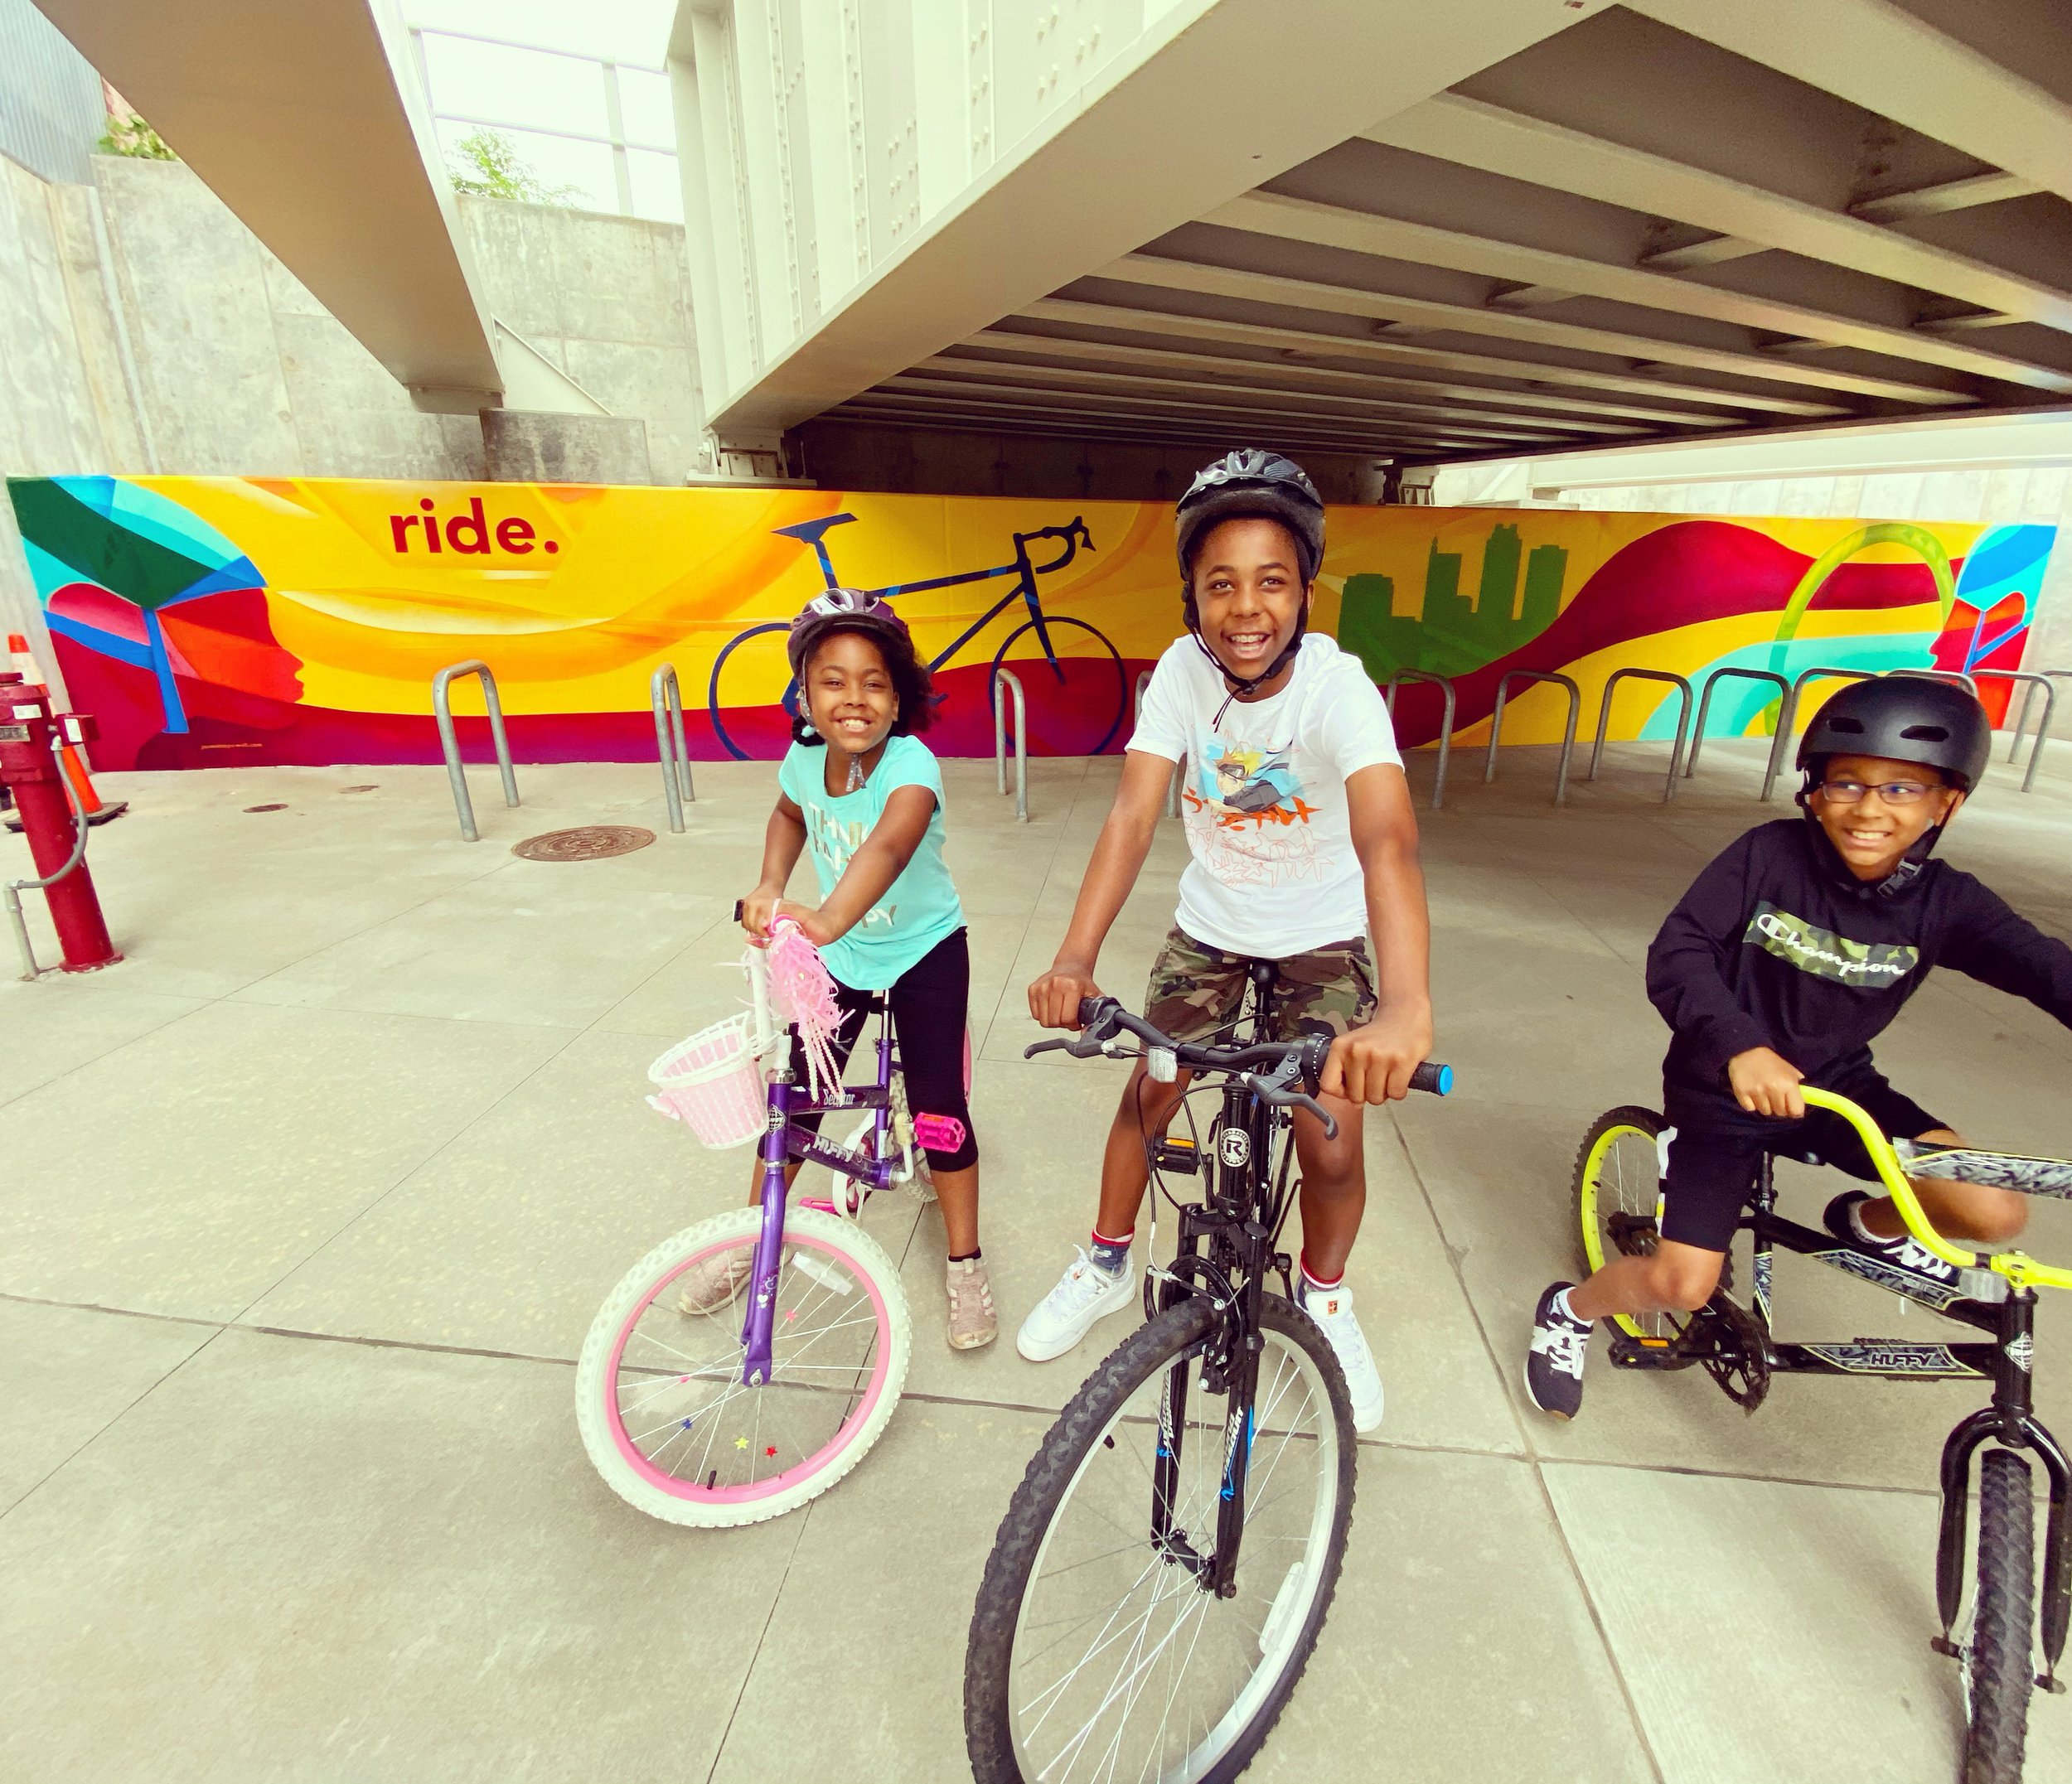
<point>1717,1144</point>
<point>928,1004</point>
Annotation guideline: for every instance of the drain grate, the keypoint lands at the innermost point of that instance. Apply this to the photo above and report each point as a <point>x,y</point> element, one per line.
<point>592,842</point>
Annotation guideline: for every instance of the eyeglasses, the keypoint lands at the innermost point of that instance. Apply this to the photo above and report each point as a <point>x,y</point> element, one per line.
<point>1892,792</point>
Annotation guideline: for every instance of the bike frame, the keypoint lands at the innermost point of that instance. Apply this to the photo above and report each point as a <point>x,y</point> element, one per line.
<point>784,1141</point>
<point>1071,537</point>
<point>1995,1294</point>
<point>1226,1251</point>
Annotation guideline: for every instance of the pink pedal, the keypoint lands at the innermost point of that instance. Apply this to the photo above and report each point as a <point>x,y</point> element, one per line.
<point>939,1133</point>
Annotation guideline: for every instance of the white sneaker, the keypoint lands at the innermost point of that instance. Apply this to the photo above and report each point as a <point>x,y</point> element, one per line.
<point>1332,1309</point>
<point>1084,1293</point>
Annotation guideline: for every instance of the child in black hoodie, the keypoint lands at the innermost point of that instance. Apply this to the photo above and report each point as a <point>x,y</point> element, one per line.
<point>1791,952</point>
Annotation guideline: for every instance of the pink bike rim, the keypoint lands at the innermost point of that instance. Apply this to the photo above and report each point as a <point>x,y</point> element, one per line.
<point>677,1488</point>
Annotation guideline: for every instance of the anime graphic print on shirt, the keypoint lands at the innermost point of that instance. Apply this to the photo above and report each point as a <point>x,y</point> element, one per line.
<point>1274,872</point>
<point>1246,801</point>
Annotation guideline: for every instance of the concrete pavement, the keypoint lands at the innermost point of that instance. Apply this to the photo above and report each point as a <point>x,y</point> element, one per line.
<point>309,1204</point>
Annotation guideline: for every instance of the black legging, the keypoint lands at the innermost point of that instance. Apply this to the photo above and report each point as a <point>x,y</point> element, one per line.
<point>929,1004</point>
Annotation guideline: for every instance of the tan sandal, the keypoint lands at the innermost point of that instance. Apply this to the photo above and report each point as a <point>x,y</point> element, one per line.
<point>973,1324</point>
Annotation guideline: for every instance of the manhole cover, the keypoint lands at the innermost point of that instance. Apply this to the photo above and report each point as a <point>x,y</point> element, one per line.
<point>267,808</point>
<point>591,843</point>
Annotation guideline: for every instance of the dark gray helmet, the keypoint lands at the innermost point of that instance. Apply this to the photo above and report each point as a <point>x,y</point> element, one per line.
<point>1907,718</point>
<point>843,610</point>
<point>1249,482</point>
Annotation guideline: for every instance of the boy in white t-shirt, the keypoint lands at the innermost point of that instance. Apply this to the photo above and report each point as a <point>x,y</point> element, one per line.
<point>1300,824</point>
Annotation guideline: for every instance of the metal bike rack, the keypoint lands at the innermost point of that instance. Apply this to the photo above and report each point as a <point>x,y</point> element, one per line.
<point>1180,767</point>
<point>443,710</point>
<point>1938,674</point>
<point>12,890</point>
<point>1007,679</point>
<point>1788,713</point>
<point>1704,705</point>
<point>1684,720</point>
<point>2031,680</point>
<point>1568,734</point>
<point>667,700</point>
<point>1444,684</point>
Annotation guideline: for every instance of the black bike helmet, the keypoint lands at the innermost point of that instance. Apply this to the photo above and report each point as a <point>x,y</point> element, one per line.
<point>1249,484</point>
<point>843,610</point>
<point>1907,718</point>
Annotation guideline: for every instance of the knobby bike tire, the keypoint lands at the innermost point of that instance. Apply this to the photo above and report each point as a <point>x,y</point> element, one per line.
<point>1147,1352</point>
<point>1999,1665</point>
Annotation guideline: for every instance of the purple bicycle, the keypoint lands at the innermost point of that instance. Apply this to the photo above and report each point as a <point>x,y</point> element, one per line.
<point>740,1410</point>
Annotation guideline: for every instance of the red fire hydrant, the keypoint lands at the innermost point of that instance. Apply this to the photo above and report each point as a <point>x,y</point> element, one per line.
<point>29,735</point>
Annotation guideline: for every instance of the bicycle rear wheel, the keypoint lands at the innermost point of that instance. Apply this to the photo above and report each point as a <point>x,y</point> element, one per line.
<point>1999,1662</point>
<point>1094,1651</point>
<point>1618,1191</point>
<point>660,1403</point>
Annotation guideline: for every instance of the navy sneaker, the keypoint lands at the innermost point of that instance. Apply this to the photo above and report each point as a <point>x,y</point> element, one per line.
<point>1905,1253</point>
<point>1554,1362</point>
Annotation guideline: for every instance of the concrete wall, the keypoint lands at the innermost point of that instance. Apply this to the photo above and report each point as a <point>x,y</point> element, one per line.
<point>143,328</point>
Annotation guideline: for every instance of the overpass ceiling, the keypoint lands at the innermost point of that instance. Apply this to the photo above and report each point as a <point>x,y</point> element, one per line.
<point>1674,219</point>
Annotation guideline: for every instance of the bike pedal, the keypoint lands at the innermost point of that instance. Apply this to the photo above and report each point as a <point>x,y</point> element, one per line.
<point>1943,1646</point>
<point>2051,1683</point>
<point>1182,1156</point>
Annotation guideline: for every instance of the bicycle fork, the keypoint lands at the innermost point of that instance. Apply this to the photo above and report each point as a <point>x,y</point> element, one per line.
<point>769,1244</point>
<point>2011,1420</point>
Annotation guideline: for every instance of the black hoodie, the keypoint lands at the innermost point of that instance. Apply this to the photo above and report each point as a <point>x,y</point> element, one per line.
<point>1778,944</point>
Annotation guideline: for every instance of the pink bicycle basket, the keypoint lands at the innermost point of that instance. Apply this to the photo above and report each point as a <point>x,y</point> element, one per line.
<point>712,1083</point>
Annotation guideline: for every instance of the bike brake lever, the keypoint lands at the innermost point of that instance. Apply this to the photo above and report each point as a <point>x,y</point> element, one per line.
<point>1267,1091</point>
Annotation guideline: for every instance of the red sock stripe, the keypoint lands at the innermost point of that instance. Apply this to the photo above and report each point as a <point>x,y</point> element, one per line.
<point>1315,1281</point>
<point>1100,1238</point>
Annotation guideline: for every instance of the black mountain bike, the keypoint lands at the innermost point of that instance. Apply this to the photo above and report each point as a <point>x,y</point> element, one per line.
<point>1165,1568</point>
<point>1993,1635</point>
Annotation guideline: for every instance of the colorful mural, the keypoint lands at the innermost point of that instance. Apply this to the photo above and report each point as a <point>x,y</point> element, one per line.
<point>213,620</point>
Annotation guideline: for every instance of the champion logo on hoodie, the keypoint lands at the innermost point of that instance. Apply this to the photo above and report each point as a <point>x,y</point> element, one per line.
<point>1826,954</point>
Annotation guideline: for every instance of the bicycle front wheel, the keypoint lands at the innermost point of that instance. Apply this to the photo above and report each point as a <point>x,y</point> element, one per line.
<point>659,1400</point>
<point>1618,1191</point>
<point>1999,1663</point>
<point>1096,1649</point>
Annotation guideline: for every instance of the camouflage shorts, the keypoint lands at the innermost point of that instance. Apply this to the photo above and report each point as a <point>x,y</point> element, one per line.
<point>1195,989</point>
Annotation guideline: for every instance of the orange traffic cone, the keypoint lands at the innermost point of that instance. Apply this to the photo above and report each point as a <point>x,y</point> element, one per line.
<point>98,811</point>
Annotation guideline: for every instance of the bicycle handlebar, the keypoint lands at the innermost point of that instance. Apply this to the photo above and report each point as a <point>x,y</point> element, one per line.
<point>1073,535</point>
<point>1101,1019</point>
<point>2017,1267</point>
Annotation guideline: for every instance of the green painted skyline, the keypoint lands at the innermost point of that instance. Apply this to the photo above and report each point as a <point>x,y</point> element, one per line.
<point>1454,634</point>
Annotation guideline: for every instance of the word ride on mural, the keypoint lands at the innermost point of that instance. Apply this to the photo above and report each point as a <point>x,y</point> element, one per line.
<point>466,533</point>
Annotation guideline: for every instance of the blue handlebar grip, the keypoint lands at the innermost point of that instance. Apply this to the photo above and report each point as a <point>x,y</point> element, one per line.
<point>1433,1077</point>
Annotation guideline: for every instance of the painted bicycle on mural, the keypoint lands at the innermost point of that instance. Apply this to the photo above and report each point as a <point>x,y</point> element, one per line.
<point>1025,568</point>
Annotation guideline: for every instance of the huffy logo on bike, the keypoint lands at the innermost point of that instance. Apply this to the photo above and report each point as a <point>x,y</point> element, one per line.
<point>1826,954</point>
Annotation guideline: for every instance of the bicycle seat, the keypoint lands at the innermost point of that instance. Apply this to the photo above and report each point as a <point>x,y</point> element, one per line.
<point>808,532</point>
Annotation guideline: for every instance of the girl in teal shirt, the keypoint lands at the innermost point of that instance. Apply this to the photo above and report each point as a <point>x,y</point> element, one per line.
<point>860,791</point>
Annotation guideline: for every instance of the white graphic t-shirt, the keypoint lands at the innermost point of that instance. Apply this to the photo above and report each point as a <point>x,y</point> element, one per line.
<point>1274,872</point>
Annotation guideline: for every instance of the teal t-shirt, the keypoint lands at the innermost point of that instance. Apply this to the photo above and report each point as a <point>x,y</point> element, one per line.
<point>920,908</point>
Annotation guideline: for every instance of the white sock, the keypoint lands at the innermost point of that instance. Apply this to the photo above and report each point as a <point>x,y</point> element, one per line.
<point>1861,1231</point>
<point>1566,1312</point>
